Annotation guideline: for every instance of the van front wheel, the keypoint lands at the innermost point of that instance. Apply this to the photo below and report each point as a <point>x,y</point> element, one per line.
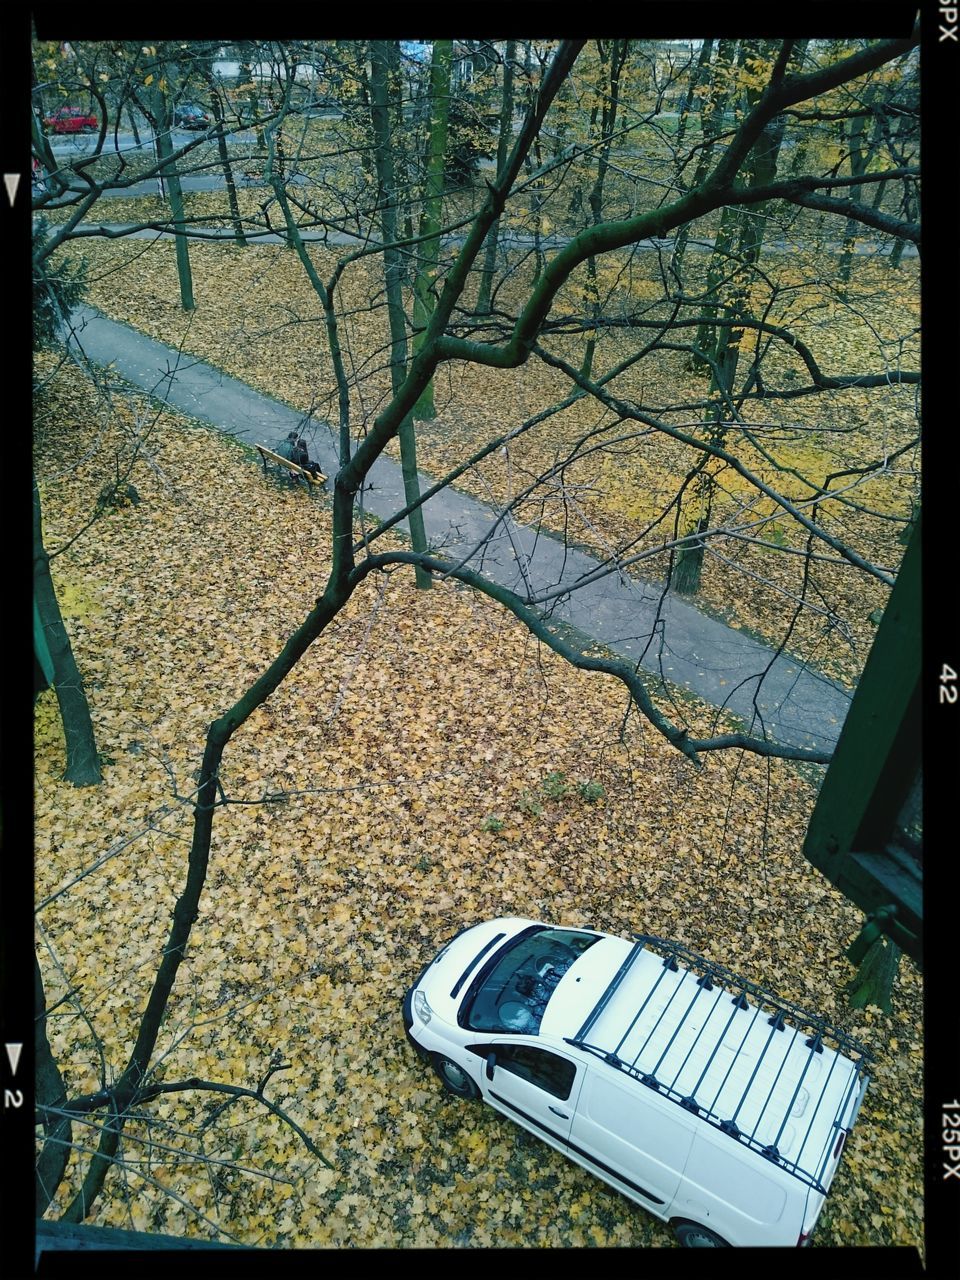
<point>693,1236</point>
<point>455,1079</point>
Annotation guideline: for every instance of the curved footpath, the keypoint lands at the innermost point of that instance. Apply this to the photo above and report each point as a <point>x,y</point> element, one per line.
<point>772,694</point>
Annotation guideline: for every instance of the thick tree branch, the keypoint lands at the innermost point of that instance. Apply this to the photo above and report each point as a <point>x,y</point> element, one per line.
<point>800,191</point>
<point>422,367</point>
<point>623,671</point>
<point>797,88</point>
<point>821,381</point>
<point>712,194</point>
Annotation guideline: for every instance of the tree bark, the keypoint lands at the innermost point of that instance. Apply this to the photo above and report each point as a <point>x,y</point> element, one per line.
<point>383,60</point>
<point>730,222</point>
<point>609,88</point>
<point>250,52</point>
<point>175,194</point>
<point>688,104</point>
<point>225,164</point>
<point>425,284</point>
<point>859,158</point>
<point>485,291</point>
<point>536,191</point>
<point>722,345</point>
<point>83,762</point>
<point>745,225</point>
<point>326,296</point>
<point>50,1092</point>
<point>711,121</point>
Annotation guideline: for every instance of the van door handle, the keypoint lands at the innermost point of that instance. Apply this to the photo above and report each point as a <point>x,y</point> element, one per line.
<point>557,1112</point>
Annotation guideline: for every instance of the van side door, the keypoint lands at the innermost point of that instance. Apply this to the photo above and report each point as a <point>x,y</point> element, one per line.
<point>534,1086</point>
<point>634,1139</point>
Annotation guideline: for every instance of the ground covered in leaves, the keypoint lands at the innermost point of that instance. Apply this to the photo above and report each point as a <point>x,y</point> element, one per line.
<point>615,490</point>
<point>425,766</point>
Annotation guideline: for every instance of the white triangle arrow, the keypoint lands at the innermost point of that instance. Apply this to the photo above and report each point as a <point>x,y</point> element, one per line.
<point>11,181</point>
<point>13,1053</point>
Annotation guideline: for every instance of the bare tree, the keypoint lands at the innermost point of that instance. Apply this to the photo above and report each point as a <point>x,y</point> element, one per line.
<point>733,178</point>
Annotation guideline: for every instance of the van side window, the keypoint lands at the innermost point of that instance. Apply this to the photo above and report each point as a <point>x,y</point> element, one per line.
<point>546,1070</point>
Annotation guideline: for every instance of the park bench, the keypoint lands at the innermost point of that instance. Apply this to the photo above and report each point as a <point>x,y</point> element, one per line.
<point>267,456</point>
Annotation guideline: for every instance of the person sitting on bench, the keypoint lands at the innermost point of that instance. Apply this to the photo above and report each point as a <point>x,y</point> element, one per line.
<point>294,450</point>
<point>302,458</point>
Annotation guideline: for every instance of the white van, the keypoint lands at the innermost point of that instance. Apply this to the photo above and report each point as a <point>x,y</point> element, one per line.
<point>714,1104</point>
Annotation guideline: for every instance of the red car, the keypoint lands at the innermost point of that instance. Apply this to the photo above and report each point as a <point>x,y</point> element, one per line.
<point>71,120</point>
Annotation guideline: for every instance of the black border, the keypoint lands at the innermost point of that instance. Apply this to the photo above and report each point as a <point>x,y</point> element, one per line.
<point>940,70</point>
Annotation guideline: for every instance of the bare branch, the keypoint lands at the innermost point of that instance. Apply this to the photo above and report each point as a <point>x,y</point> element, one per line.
<point>623,671</point>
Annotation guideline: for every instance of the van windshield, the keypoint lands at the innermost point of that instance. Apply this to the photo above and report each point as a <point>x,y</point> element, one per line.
<point>511,991</point>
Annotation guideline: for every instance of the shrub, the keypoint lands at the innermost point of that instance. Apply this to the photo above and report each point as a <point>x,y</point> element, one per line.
<point>57,289</point>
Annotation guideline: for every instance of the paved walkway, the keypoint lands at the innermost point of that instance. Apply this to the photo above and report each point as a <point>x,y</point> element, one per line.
<point>772,694</point>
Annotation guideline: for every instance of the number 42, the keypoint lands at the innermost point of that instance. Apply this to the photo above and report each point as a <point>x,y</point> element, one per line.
<point>948,685</point>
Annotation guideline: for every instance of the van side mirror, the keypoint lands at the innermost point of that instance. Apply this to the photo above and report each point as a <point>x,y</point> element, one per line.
<point>491,1063</point>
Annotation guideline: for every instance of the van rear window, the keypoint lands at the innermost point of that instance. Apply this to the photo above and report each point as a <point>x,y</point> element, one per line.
<point>511,992</point>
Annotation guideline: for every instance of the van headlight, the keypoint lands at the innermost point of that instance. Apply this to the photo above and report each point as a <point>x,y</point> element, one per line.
<point>421,1007</point>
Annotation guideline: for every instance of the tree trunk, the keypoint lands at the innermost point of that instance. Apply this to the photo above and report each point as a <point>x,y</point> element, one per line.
<point>225,164</point>
<point>133,123</point>
<point>504,140</point>
<point>747,225</point>
<point>859,158</point>
<point>172,180</point>
<point>688,563</point>
<point>688,104</point>
<point>908,210</point>
<point>536,208</point>
<point>83,762</point>
<point>711,122</point>
<point>720,263</point>
<point>536,192</point>
<point>36,93</point>
<point>723,345</point>
<point>383,62</point>
<point>50,1092</point>
<point>896,254</point>
<point>326,297</point>
<point>425,283</point>
<point>252,96</point>
<point>609,88</point>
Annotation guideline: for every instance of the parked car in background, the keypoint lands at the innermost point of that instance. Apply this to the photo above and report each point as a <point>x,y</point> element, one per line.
<point>189,116</point>
<point>708,1100</point>
<point>71,120</point>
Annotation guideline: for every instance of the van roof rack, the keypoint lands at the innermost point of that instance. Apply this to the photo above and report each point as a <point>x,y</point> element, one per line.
<point>766,1073</point>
